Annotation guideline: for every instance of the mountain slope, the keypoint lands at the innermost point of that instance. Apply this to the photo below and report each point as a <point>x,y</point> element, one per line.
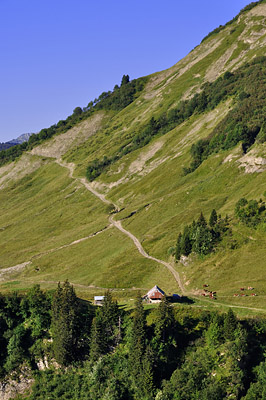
<point>19,140</point>
<point>62,230</point>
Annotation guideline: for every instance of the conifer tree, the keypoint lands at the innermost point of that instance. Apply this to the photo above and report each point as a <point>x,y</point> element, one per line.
<point>137,348</point>
<point>202,221</point>
<point>213,218</point>
<point>178,247</point>
<point>105,328</point>
<point>230,325</point>
<point>185,245</point>
<point>164,321</point>
<point>146,379</point>
<point>125,80</point>
<point>64,326</point>
<point>96,342</point>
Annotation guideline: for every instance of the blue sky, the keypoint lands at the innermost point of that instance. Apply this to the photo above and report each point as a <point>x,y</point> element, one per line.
<point>59,54</point>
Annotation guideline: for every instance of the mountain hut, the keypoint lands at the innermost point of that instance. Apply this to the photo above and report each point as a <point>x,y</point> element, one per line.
<point>154,295</point>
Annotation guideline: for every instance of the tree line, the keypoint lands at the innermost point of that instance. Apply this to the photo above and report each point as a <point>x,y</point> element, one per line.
<point>202,237</point>
<point>115,100</point>
<point>112,353</point>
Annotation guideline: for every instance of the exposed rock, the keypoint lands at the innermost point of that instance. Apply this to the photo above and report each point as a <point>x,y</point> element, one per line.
<point>252,164</point>
<point>184,260</point>
<point>11,387</point>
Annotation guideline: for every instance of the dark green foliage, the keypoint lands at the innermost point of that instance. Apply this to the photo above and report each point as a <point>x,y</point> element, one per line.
<point>16,348</point>
<point>164,341</point>
<point>245,122</point>
<point>36,307</point>
<point>96,167</point>
<point>178,252</point>
<point>64,326</point>
<point>213,218</point>
<point>251,212</point>
<point>138,338</point>
<point>125,80</point>
<point>184,353</point>
<point>257,390</point>
<point>200,237</point>
<point>106,328</point>
<point>221,27</point>
<point>230,325</point>
<point>186,242</point>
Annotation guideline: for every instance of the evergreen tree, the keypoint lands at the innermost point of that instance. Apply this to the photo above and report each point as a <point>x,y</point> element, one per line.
<point>202,221</point>
<point>125,80</point>
<point>213,218</point>
<point>202,243</point>
<point>97,339</point>
<point>64,326</point>
<point>164,321</point>
<point>164,340</point>
<point>178,247</point>
<point>186,245</point>
<point>138,339</point>
<point>230,325</point>
<point>105,332</point>
<point>146,379</point>
<point>110,319</point>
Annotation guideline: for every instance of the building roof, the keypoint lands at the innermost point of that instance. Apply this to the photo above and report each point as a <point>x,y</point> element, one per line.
<point>154,292</point>
<point>98,298</point>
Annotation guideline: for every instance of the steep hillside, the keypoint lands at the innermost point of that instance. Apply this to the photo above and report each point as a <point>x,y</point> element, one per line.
<point>118,228</point>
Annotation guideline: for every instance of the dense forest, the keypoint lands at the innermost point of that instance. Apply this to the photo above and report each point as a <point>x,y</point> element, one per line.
<point>171,351</point>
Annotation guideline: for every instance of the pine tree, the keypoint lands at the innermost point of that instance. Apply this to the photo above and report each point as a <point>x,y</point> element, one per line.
<point>178,247</point>
<point>110,316</point>
<point>202,221</point>
<point>64,326</point>
<point>146,378</point>
<point>96,342</point>
<point>105,328</point>
<point>230,325</point>
<point>164,321</point>
<point>125,80</point>
<point>213,218</point>
<point>138,339</point>
<point>185,244</point>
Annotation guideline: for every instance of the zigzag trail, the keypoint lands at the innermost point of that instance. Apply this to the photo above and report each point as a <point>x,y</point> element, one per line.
<point>118,225</point>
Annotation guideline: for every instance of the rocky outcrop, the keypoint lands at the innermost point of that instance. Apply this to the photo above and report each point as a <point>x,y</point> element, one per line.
<point>12,387</point>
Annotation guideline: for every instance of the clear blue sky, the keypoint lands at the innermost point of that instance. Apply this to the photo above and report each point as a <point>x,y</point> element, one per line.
<point>59,54</point>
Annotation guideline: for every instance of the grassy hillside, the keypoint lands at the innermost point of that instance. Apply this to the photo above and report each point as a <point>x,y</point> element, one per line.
<point>144,150</point>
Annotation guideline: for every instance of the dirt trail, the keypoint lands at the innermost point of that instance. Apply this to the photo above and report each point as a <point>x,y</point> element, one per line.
<point>137,243</point>
<point>70,244</point>
<point>141,250</point>
<point>119,226</point>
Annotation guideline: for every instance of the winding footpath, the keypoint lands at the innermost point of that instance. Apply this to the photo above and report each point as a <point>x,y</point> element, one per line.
<point>118,225</point>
